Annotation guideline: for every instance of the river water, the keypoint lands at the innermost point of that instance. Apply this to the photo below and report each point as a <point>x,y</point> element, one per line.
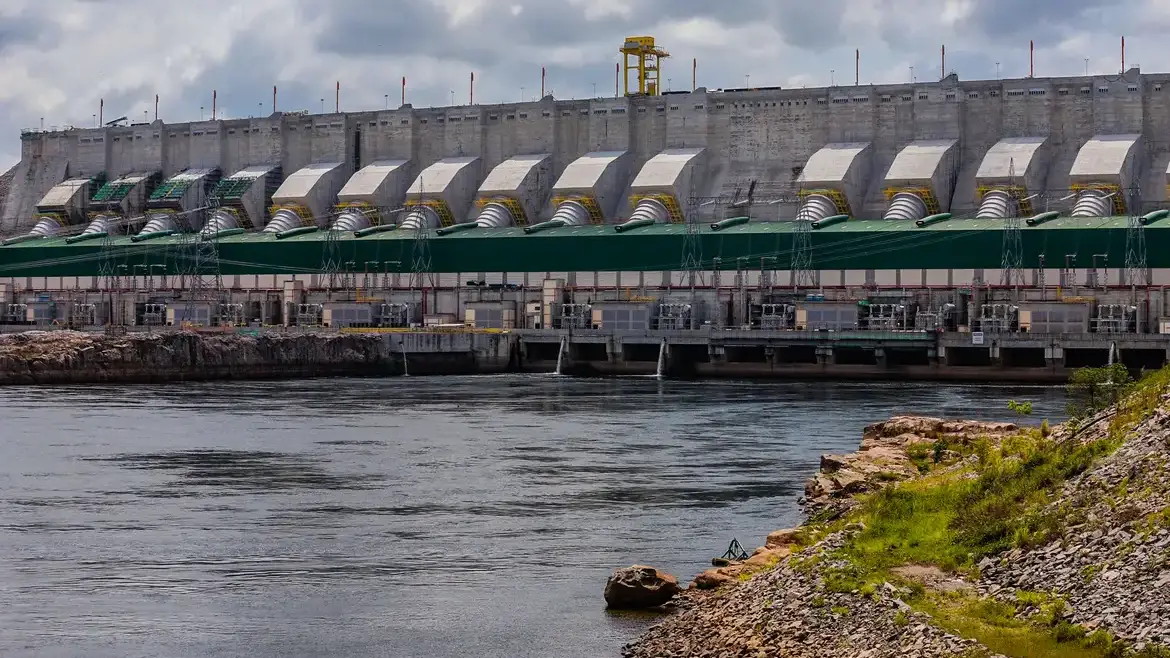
<point>417,517</point>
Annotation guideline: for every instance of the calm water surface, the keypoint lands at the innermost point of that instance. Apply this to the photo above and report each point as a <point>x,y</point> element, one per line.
<point>411,517</point>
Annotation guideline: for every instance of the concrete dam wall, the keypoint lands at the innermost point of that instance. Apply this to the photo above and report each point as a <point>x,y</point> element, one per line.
<point>947,143</point>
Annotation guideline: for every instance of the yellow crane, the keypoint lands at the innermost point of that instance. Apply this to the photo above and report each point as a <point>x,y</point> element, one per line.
<point>641,56</point>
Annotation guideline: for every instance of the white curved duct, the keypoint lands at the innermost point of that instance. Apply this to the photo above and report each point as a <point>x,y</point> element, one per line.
<point>817,207</point>
<point>46,228</point>
<point>1093,203</point>
<point>100,224</point>
<point>351,220</point>
<point>495,215</point>
<point>159,222</point>
<point>572,213</point>
<point>283,220</point>
<point>651,209</point>
<point>906,206</point>
<point>998,204</point>
<point>221,220</point>
<point>420,217</point>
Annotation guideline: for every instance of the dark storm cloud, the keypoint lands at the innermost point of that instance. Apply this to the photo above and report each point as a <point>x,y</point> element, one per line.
<point>26,28</point>
<point>1045,20</point>
<point>414,27</point>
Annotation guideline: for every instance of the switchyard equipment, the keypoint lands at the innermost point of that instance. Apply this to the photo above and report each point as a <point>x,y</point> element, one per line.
<point>777,317</point>
<point>886,317</point>
<point>576,316</point>
<point>674,316</point>
<point>998,318</point>
<point>1115,319</point>
<point>940,318</point>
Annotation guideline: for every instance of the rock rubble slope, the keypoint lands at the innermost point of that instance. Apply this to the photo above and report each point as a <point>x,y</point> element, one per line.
<point>944,538</point>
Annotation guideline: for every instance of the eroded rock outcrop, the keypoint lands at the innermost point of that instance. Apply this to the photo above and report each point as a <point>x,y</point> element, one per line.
<point>888,454</point>
<point>55,357</point>
<point>639,587</point>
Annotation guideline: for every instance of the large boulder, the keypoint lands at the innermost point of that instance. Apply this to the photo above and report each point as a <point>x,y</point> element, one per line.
<point>639,587</point>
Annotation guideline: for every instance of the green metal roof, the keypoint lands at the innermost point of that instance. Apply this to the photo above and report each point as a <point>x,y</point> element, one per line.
<point>856,244</point>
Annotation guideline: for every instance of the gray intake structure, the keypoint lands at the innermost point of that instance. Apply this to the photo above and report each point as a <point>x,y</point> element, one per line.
<point>899,151</point>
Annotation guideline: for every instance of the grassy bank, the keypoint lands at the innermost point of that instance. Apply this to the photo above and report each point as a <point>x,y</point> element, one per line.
<point>979,499</point>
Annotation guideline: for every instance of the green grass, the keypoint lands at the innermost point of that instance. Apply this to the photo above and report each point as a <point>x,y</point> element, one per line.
<point>995,625</point>
<point>952,518</point>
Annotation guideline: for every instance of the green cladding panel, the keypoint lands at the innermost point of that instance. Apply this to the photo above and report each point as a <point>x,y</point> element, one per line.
<point>852,245</point>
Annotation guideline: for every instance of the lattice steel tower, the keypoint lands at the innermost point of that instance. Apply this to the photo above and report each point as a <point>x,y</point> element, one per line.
<point>692,252</point>
<point>330,259</point>
<point>1011,263</point>
<point>1136,271</point>
<point>109,268</point>
<point>202,254</point>
<point>802,266</point>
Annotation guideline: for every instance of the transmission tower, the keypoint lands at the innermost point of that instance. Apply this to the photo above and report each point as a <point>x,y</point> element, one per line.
<point>692,252</point>
<point>330,259</point>
<point>420,259</point>
<point>202,252</point>
<point>802,267</point>
<point>1136,272</point>
<point>1011,264</point>
<point>109,268</point>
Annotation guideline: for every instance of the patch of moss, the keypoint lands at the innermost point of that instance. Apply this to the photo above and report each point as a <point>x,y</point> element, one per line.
<point>996,625</point>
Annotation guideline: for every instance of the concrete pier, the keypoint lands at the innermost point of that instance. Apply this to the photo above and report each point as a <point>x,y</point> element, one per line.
<point>845,355</point>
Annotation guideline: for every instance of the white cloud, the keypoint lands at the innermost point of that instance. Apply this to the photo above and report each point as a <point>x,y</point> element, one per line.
<point>61,56</point>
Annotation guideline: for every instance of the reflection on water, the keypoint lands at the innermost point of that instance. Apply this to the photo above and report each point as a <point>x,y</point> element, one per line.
<point>235,472</point>
<point>422,517</point>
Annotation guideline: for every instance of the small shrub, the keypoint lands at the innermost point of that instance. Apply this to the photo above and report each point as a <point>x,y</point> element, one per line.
<point>1067,632</point>
<point>840,611</point>
<point>901,619</point>
<point>940,447</point>
<point>1020,408</point>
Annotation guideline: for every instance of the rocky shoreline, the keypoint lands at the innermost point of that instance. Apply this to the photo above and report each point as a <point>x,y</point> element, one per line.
<point>70,357</point>
<point>958,538</point>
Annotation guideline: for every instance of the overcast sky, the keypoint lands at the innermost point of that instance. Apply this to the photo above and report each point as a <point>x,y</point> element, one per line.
<point>59,57</point>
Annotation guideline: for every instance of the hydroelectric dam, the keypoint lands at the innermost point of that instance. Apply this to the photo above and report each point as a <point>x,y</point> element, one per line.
<point>1009,228</point>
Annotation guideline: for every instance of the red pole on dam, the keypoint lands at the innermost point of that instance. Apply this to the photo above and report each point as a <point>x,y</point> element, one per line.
<point>274,99</point>
<point>337,102</point>
<point>1031,59</point>
<point>543,74</point>
<point>404,90</point>
<point>214,100</point>
<point>471,94</point>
